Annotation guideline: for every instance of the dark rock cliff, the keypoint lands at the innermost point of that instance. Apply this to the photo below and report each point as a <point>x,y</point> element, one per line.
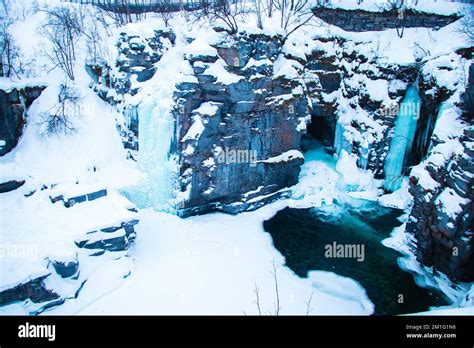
<point>257,117</point>
<point>13,114</point>
<point>239,124</point>
<point>135,62</point>
<point>445,235</point>
<point>361,20</point>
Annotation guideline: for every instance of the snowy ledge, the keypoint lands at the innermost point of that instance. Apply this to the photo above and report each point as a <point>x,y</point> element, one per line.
<point>363,20</point>
<point>424,6</point>
<point>287,156</point>
<point>8,85</point>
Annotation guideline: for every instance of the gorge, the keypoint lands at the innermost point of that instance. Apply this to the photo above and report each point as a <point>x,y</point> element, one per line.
<point>346,132</point>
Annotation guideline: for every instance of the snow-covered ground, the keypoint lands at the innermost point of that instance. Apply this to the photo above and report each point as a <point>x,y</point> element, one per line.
<point>208,264</point>
<point>211,265</point>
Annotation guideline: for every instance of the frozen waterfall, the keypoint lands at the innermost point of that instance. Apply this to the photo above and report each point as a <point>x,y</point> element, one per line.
<point>155,136</point>
<point>157,133</point>
<point>402,139</point>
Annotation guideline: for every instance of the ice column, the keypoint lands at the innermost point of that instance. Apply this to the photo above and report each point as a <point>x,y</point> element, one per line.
<point>155,135</point>
<point>340,142</point>
<point>403,134</point>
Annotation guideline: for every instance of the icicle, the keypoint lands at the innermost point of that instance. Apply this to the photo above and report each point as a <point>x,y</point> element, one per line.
<point>364,155</point>
<point>340,142</point>
<point>131,118</point>
<point>402,140</point>
<point>441,109</point>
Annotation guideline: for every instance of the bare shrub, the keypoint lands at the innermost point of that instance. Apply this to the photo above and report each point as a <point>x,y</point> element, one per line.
<point>229,13</point>
<point>277,306</point>
<point>9,51</point>
<point>466,27</point>
<point>294,14</point>
<point>62,28</point>
<point>59,119</point>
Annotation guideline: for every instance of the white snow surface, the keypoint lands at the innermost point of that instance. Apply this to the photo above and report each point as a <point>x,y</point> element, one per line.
<point>210,265</point>
<point>206,264</point>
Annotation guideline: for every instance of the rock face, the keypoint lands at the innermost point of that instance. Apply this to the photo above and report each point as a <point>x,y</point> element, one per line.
<point>33,289</point>
<point>138,57</point>
<point>242,112</point>
<point>10,185</point>
<point>66,268</point>
<point>249,122</point>
<point>353,89</point>
<point>135,63</point>
<point>239,124</point>
<point>360,20</point>
<point>442,214</point>
<point>113,238</point>
<point>13,114</point>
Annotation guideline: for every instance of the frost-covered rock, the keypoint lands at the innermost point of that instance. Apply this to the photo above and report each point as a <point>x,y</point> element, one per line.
<point>67,267</point>
<point>14,102</point>
<point>116,81</point>
<point>442,213</point>
<point>236,122</point>
<point>382,18</point>
<point>113,238</point>
<point>33,289</point>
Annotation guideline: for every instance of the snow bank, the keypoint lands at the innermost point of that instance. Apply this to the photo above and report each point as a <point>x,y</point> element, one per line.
<point>400,199</point>
<point>195,131</point>
<point>340,286</point>
<point>289,155</point>
<point>452,204</point>
<point>430,6</point>
<point>424,276</point>
<point>210,265</point>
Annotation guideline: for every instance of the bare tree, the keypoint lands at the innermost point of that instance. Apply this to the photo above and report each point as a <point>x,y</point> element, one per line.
<point>94,26</point>
<point>277,292</point>
<point>204,5</point>
<point>6,6</point>
<point>257,299</point>
<point>258,12</point>
<point>308,305</point>
<point>165,12</point>
<point>229,13</point>
<point>118,11</point>
<point>294,14</point>
<point>398,6</point>
<point>62,28</point>
<point>467,24</point>
<point>270,7</point>
<point>9,51</point>
<point>277,307</point>
<point>58,119</point>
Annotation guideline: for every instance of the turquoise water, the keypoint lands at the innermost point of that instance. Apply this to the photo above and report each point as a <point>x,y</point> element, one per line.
<point>302,235</point>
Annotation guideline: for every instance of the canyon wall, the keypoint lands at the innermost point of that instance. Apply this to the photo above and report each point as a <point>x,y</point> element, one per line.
<point>361,20</point>
<point>442,215</point>
<point>250,95</point>
<point>245,108</point>
<point>14,103</point>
